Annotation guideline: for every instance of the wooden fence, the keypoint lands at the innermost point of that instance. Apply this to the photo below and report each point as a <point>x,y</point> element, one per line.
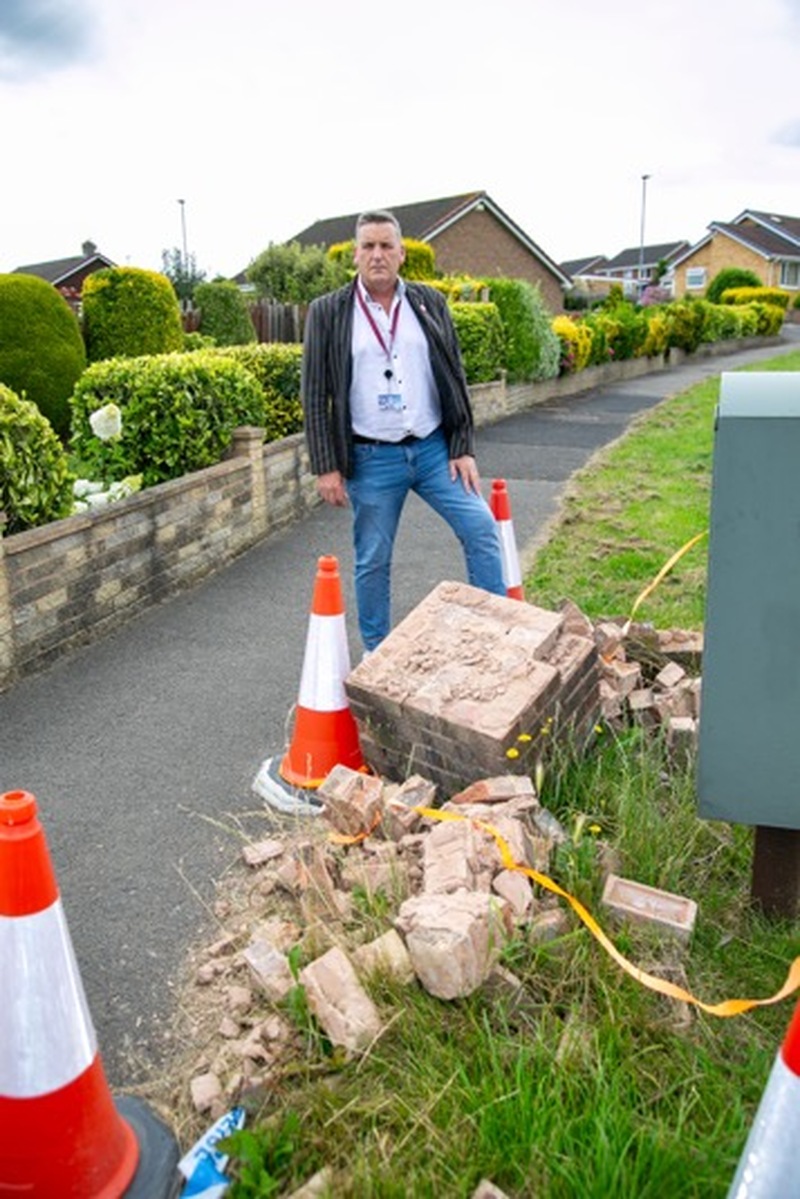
<point>272,321</point>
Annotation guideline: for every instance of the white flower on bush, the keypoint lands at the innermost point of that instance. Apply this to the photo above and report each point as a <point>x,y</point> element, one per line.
<point>89,495</point>
<point>106,422</point>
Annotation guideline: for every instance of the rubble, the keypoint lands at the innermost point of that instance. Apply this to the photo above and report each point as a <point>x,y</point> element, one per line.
<point>447,899</point>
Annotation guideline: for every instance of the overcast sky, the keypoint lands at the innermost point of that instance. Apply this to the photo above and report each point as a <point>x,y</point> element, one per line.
<point>264,116</point>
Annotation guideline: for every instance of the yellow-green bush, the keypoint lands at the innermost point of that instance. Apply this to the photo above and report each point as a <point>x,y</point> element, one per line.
<point>576,344</point>
<point>128,312</point>
<point>764,295</point>
<point>420,260</point>
<point>482,341</point>
<point>460,289</point>
<point>657,340</point>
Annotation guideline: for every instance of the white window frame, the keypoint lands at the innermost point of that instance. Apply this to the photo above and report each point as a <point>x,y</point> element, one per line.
<point>790,269</point>
<point>696,278</point>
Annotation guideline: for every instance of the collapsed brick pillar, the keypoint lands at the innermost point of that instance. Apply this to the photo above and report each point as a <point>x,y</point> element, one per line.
<point>466,678</point>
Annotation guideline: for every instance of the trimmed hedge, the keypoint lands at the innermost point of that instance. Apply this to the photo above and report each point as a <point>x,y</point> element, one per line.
<point>764,295</point>
<point>480,335</point>
<point>276,367</point>
<point>35,481</point>
<point>224,314</point>
<point>128,312</point>
<point>575,339</point>
<point>178,414</point>
<point>41,348</point>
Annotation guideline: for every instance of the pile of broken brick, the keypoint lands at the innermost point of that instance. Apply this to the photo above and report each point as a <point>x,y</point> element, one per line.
<point>448,901</point>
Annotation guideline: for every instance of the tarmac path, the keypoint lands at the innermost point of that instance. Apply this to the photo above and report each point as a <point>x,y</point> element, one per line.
<point>142,748</point>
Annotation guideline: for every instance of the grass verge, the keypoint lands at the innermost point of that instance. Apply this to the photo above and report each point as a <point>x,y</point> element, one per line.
<point>591,1086</point>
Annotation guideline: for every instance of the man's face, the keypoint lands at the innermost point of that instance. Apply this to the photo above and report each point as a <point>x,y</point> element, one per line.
<point>378,256</point>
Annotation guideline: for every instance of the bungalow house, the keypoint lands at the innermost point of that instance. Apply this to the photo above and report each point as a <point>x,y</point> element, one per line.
<point>68,274</point>
<point>765,243</point>
<point>470,235</point>
<point>636,266</point>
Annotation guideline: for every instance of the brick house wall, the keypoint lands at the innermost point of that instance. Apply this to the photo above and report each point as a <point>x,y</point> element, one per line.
<point>721,252</point>
<point>480,245</point>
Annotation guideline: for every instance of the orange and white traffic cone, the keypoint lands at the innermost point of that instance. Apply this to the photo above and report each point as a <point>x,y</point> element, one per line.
<point>500,505</point>
<point>62,1134</point>
<point>325,733</point>
<point>768,1165</point>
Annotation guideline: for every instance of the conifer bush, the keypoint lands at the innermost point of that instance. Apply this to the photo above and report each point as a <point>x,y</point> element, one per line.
<point>128,312</point>
<point>35,481</point>
<point>41,348</point>
<point>730,276</point>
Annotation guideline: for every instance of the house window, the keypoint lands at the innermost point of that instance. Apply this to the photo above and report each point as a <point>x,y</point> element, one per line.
<point>695,278</point>
<point>790,274</point>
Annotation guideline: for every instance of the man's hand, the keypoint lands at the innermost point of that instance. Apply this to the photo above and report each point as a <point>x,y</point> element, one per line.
<point>466,469</point>
<point>331,488</point>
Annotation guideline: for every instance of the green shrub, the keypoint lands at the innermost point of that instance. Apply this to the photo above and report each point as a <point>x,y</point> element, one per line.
<point>197,341</point>
<point>769,318</point>
<point>730,276</point>
<point>686,320</point>
<point>533,350</point>
<point>295,274</point>
<point>178,414</point>
<point>224,314</point>
<point>627,329</point>
<point>480,335</point>
<point>35,482</point>
<point>796,301</point>
<point>41,348</point>
<point>128,312</point>
<point>764,295</point>
<point>276,367</point>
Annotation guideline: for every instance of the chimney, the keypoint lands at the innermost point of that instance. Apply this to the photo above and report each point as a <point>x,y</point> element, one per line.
<point>89,248</point>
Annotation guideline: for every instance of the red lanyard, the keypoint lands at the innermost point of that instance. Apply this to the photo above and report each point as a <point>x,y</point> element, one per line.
<point>373,324</point>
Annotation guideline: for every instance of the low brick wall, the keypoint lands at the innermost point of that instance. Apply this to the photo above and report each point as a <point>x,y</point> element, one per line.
<point>70,582</point>
<point>74,580</point>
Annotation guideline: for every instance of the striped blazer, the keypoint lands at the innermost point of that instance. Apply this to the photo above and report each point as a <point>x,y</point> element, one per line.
<point>328,368</point>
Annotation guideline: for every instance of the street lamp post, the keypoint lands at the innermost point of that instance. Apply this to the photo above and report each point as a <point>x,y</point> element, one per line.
<point>183,231</point>
<point>641,234</point>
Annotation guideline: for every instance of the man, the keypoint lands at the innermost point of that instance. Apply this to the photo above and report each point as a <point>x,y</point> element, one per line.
<point>387,411</point>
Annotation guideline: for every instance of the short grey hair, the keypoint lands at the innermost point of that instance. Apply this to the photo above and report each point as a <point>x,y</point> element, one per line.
<point>379,216</point>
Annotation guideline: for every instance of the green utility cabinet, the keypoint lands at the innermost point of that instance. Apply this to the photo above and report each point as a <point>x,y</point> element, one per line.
<point>749,749</point>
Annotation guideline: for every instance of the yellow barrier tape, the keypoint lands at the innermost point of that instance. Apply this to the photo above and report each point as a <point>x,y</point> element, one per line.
<point>665,569</point>
<point>729,1007</point>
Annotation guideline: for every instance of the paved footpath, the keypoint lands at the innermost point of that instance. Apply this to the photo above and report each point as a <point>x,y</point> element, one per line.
<point>141,749</point>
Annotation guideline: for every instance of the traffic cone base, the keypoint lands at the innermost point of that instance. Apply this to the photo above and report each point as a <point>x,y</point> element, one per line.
<point>324,734</point>
<point>335,740</point>
<point>270,786</point>
<point>62,1134</point>
<point>71,1142</point>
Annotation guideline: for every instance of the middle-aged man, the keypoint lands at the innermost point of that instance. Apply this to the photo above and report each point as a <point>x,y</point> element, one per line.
<point>387,411</point>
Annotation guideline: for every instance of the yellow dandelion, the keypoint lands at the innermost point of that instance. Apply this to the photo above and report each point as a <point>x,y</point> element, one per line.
<point>524,737</point>
<point>512,753</point>
<point>594,829</point>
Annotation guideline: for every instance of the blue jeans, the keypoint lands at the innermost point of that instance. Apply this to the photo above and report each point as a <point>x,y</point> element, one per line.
<point>383,477</point>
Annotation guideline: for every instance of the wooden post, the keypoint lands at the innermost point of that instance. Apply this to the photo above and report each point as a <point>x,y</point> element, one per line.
<point>775,886</point>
